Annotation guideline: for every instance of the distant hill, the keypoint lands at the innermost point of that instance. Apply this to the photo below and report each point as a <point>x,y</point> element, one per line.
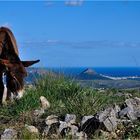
<point>36,73</point>
<point>87,74</point>
<point>90,74</point>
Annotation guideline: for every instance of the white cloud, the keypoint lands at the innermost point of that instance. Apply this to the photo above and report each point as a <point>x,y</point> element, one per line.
<point>49,3</point>
<point>74,2</point>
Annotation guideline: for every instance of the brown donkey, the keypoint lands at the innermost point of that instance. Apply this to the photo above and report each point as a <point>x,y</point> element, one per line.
<point>10,64</point>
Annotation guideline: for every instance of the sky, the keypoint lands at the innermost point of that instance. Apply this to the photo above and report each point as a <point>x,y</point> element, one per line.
<point>75,33</point>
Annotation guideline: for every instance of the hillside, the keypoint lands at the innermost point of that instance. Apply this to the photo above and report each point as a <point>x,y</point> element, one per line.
<point>87,78</point>
<point>90,74</point>
<point>36,73</point>
<point>67,98</point>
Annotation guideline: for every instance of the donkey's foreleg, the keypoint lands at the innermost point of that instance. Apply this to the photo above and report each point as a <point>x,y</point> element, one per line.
<point>1,88</point>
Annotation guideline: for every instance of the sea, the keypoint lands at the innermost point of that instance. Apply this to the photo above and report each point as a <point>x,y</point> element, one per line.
<point>108,71</point>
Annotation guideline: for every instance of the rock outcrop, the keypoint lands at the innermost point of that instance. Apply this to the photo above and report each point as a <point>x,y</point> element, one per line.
<point>106,121</point>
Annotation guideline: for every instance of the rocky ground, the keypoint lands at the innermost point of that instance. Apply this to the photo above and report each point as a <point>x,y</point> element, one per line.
<point>110,123</point>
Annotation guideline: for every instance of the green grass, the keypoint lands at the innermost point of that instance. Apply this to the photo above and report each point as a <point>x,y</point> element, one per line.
<point>64,95</point>
<point>132,132</point>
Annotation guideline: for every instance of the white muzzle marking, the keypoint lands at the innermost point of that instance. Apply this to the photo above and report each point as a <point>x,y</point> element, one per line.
<point>12,96</point>
<point>4,94</point>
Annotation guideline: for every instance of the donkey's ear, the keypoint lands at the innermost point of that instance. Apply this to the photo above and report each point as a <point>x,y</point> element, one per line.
<point>5,62</point>
<point>29,63</point>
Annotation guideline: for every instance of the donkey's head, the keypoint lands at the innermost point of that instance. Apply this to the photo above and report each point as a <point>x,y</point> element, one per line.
<point>15,73</point>
<point>10,62</point>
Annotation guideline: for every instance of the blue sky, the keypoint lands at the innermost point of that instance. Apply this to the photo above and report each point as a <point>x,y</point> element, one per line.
<point>74,33</point>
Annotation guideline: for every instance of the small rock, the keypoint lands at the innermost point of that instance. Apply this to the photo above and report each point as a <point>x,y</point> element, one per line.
<point>46,130</point>
<point>113,135</point>
<point>117,110</point>
<point>51,130</point>
<point>62,126</point>
<point>132,111</point>
<point>85,118</point>
<point>39,112</point>
<point>44,103</point>
<point>132,115</point>
<point>73,130</point>
<point>108,118</point>
<point>81,135</point>
<point>133,104</point>
<point>31,128</point>
<point>124,112</point>
<point>70,118</point>
<point>51,119</point>
<point>9,134</point>
<point>90,126</point>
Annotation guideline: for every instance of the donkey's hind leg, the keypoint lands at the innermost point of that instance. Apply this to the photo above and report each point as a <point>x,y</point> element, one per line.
<point>1,88</point>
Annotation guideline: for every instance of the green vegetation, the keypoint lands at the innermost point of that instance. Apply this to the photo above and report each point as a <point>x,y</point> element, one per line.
<point>64,95</point>
<point>133,132</point>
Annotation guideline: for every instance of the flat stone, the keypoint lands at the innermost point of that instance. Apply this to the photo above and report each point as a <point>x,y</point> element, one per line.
<point>124,112</point>
<point>110,123</point>
<point>108,119</point>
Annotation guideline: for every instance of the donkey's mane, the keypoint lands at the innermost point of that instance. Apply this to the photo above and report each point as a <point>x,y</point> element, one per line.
<point>11,37</point>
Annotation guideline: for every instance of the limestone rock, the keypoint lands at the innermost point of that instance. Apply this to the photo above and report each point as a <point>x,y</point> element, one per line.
<point>73,130</point>
<point>134,104</point>
<point>108,119</point>
<point>39,112</point>
<point>81,135</point>
<point>62,127</point>
<point>70,118</point>
<point>117,110</point>
<point>31,128</point>
<point>9,134</point>
<point>51,120</point>
<point>44,103</point>
<point>90,126</point>
<point>132,109</point>
<point>85,118</point>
